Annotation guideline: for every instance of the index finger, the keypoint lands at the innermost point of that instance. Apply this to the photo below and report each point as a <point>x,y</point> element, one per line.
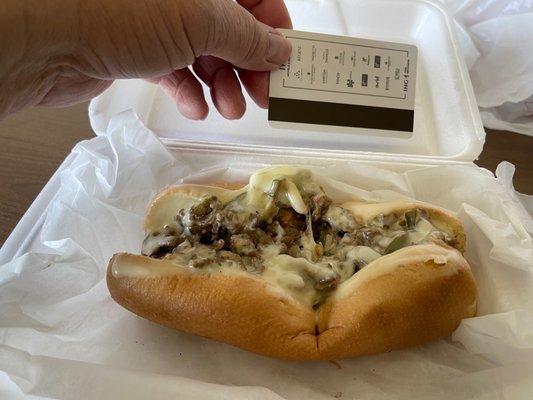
<point>271,12</point>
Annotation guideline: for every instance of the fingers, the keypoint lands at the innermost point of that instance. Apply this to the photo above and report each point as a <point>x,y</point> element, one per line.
<point>256,84</point>
<point>236,36</point>
<point>270,12</point>
<point>275,14</point>
<point>225,88</point>
<point>186,91</point>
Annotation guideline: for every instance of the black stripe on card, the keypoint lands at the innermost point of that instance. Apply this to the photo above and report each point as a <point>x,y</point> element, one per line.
<point>338,114</point>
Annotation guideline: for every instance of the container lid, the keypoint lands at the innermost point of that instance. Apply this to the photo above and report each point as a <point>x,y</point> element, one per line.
<point>447,126</point>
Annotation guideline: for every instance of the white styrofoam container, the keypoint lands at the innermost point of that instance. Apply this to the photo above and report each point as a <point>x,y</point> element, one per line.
<point>447,126</point>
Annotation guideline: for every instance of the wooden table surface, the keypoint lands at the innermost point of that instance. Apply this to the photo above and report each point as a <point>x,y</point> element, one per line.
<point>34,142</point>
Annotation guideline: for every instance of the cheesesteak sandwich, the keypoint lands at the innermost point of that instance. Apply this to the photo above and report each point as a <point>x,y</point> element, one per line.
<point>279,268</point>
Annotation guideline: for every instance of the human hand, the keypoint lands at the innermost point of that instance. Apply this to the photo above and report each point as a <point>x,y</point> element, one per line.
<point>72,51</point>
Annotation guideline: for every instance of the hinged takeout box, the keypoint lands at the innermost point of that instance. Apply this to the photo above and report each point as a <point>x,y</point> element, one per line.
<point>447,126</point>
<point>63,337</point>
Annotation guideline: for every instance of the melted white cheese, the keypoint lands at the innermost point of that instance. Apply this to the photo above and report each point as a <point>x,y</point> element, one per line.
<point>295,275</point>
<point>266,183</point>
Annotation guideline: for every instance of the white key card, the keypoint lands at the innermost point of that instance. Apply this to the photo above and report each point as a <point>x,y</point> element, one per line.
<point>344,84</point>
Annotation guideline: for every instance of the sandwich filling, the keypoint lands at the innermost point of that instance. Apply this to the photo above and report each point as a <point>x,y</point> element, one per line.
<point>283,227</point>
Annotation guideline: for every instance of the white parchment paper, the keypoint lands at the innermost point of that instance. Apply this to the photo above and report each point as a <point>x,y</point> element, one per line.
<point>62,337</point>
<point>496,37</point>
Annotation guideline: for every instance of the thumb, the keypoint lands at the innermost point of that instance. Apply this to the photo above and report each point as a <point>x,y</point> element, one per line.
<point>237,37</point>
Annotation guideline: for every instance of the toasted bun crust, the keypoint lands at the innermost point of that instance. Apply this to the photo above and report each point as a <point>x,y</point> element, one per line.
<point>156,215</point>
<point>412,296</point>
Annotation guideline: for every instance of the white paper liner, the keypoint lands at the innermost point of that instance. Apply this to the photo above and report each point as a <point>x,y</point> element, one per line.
<point>491,33</point>
<point>62,337</point>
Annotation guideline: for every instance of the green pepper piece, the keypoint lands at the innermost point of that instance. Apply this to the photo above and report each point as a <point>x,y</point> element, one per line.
<point>410,218</point>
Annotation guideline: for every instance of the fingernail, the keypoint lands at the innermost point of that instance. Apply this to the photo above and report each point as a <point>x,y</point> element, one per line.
<point>279,48</point>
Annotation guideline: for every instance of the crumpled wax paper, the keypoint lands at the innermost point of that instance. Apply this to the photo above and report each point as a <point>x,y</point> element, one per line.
<point>496,38</point>
<point>62,337</point>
